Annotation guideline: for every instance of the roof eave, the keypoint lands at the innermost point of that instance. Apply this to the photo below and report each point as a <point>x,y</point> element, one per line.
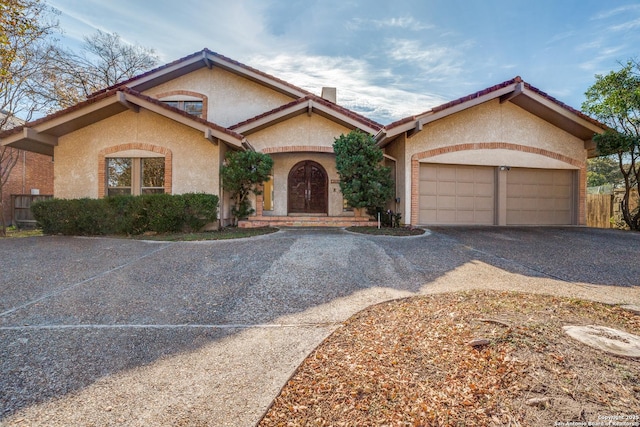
<point>307,105</point>
<point>43,136</point>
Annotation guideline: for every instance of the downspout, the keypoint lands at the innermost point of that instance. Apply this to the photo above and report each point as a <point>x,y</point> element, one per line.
<point>220,190</point>
<point>24,172</point>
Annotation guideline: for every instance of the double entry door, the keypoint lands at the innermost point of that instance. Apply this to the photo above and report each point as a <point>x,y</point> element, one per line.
<point>307,188</point>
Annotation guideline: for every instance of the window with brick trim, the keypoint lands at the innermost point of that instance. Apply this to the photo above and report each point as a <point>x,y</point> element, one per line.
<point>192,107</point>
<point>134,175</point>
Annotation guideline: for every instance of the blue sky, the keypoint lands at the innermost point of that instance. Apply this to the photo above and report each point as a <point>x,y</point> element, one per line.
<point>388,59</point>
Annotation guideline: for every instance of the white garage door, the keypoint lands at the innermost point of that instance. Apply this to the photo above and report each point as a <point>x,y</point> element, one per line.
<point>454,194</point>
<point>539,197</point>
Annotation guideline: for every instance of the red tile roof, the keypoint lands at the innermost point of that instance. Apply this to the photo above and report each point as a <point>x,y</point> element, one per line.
<point>112,92</point>
<point>487,91</point>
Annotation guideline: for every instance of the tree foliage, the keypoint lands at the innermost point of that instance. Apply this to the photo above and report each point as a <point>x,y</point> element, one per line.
<point>614,99</point>
<point>364,181</point>
<point>604,171</point>
<point>25,51</point>
<point>105,60</point>
<point>242,174</point>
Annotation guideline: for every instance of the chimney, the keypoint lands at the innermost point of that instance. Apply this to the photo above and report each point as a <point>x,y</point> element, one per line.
<point>329,93</point>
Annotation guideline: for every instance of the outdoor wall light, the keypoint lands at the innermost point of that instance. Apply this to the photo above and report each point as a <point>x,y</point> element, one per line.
<point>505,168</point>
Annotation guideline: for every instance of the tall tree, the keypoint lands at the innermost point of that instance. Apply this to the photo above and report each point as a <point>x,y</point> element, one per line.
<point>614,99</point>
<point>604,171</point>
<point>105,60</point>
<point>364,181</point>
<point>25,50</point>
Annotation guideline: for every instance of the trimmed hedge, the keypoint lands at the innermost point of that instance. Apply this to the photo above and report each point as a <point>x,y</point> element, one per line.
<point>161,213</point>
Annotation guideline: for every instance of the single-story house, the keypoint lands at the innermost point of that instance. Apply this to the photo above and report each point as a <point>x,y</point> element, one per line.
<point>509,154</point>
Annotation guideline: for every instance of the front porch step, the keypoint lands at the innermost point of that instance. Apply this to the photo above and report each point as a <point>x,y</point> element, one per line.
<point>304,221</point>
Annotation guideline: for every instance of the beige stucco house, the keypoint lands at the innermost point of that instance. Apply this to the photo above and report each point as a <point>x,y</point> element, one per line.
<point>509,154</point>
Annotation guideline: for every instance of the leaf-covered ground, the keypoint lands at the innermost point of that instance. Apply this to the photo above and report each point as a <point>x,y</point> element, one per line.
<point>409,363</point>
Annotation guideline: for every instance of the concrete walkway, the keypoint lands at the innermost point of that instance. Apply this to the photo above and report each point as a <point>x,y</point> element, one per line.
<point>107,332</point>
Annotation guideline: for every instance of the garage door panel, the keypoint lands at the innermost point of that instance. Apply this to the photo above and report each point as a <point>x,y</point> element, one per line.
<point>446,174</point>
<point>465,189</point>
<point>428,174</point>
<point>446,187</point>
<point>485,190</point>
<point>446,202</point>
<point>427,202</point>
<point>463,194</point>
<point>428,188</point>
<point>485,204</point>
<point>484,217</point>
<point>539,197</point>
<point>465,175</point>
<point>466,203</point>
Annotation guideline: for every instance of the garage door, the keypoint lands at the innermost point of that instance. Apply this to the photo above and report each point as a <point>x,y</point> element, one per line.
<point>539,197</point>
<point>454,194</point>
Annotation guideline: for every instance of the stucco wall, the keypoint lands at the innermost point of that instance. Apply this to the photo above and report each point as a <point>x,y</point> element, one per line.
<point>494,122</point>
<point>299,131</point>
<point>231,98</point>
<point>195,163</point>
<point>302,137</point>
<point>527,141</point>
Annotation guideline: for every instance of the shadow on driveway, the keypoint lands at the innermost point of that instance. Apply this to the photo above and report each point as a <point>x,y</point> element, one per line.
<point>74,310</point>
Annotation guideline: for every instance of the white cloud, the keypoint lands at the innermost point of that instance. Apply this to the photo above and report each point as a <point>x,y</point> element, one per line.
<point>625,26</point>
<point>355,80</point>
<point>616,11</point>
<point>405,22</point>
<point>437,62</point>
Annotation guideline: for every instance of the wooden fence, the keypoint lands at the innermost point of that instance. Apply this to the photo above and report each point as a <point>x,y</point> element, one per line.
<point>599,210</point>
<point>603,210</point>
<point>21,215</point>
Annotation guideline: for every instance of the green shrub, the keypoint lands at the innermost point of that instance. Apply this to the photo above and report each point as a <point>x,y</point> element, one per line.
<point>126,214</point>
<point>200,209</point>
<point>165,212</point>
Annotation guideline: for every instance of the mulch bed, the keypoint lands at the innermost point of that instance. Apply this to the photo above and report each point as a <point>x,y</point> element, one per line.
<point>409,363</point>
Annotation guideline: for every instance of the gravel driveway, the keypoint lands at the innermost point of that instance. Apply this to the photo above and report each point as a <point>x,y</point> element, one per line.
<point>98,331</point>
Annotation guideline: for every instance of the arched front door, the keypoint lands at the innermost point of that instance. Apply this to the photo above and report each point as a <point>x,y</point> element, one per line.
<point>307,188</point>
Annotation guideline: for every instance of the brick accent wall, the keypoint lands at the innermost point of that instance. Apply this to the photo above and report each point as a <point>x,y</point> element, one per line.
<point>102,169</point>
<point>415,170</point>
<point>32,171</point>
<point>298,149</point>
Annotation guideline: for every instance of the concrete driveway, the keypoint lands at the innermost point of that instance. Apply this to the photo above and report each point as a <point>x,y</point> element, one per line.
<point>98,331</point>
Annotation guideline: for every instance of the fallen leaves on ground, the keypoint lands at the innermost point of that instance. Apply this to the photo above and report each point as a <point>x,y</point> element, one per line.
<point>410,363</point>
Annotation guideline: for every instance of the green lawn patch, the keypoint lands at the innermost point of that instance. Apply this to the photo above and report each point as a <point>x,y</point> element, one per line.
<point>222,234</point>
<point>26,232</point>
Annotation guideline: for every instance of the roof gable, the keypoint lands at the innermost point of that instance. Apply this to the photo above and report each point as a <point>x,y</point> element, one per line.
<point>308,104</point>
<point>515,91</point>
<point>42,135</point>
<point>206,58</point>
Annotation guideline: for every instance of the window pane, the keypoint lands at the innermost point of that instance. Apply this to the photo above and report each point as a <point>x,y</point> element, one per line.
<point>173,104</point>
<point>152,173</point>
<point>193,107</point>
<point>119,172</point>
